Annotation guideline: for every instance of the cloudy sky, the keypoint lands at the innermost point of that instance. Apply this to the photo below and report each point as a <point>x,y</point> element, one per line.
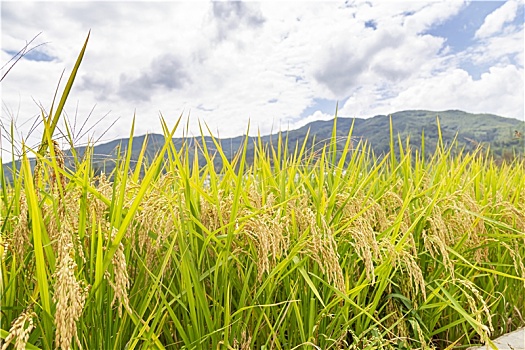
<point>276,64</point>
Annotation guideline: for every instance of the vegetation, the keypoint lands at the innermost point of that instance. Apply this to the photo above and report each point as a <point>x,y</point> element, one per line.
<point>501,137</point>
<point>329,249</point>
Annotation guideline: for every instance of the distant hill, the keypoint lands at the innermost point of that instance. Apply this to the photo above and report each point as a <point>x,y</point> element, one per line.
<point>469,131</point>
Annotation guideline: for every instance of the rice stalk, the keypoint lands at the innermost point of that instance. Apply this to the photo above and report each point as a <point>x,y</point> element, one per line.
<point>20,330</point>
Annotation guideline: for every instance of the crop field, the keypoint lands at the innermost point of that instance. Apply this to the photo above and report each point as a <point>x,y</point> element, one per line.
<point>300,249</point>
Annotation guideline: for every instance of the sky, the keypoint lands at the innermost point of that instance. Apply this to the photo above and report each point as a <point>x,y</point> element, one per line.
<point>272,65</point>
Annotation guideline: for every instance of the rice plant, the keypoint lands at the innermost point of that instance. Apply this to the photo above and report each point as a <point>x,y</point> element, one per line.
<point>330,249</point>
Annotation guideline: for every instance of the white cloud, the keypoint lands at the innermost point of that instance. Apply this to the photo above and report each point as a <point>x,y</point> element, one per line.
<point>495,21</point>
<point>392,52</point>
<point>231,16</point>
<point>317,115</point>
<point>433,13</point>
<point>499,91</point>
<point>501,48</point>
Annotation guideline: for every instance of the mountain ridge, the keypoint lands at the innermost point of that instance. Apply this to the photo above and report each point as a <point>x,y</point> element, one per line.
<point>467,129</point>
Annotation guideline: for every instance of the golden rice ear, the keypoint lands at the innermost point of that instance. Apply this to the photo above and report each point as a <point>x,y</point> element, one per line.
<point>266,231</point>
<point>19,240</point>
<point>321,244</point>
<point>37,177</point>
<point>69,293</point>
<point>121,277</point>
<point>59,155</point>
<point>473,298</point>
<point>20,330</point>
<point>38,171</point>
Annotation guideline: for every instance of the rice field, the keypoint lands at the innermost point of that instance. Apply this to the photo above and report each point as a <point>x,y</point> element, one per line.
<point>301,249</point>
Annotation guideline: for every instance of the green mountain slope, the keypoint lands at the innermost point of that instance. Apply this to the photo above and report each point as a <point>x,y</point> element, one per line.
<point>465,129</point>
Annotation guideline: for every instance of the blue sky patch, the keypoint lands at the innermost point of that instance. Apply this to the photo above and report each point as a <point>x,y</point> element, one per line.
<point>371,24</point>
<point>475,71</point>
<point>34,55</point>
<point>323,105</point>
<point>459,30</point>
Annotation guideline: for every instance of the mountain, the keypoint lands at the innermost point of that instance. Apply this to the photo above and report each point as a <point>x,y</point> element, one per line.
<point>468,130</point>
